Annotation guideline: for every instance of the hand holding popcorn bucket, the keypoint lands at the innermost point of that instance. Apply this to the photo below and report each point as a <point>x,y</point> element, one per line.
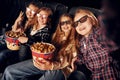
<point>41,50</point>
<point>11,40</point>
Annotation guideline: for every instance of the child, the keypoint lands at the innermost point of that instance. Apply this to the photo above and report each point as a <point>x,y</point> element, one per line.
<point>31,10</point>
<point>25,19</point>
<point>62,64</point>
<point>37,33</point>
<point>93,50</point>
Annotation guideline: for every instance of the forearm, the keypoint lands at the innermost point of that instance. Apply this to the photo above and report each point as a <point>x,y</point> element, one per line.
<point>14,27</point>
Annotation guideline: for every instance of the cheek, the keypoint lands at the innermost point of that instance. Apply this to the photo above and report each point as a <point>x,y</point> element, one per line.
<point>88,24</point>
<point>30,14</point>
<point>45,20</point>
<point>70,27</point>
<point>38,19</point>
<point>62,27</point>
<point>77,29</point>
<point>27,13</point>
<point>89,27</point>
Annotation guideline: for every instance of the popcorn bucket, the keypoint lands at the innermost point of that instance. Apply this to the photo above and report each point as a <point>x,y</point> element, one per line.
<point>42,51</point>
<point>11,40</point>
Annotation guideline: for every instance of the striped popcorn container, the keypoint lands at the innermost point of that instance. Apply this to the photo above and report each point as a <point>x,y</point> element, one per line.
<point>11,39</point>
<point>41,50</point>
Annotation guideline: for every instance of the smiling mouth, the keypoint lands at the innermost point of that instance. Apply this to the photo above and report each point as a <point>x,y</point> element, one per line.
<point>82,29</point>
<point>66,28</point>
<point>29,16</point>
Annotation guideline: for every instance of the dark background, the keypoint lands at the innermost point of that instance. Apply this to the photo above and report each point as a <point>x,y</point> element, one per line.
<point>88,3</point>
<point>9,9</point>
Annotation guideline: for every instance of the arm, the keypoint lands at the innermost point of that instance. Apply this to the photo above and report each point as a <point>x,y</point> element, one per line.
<point>63,60</point>
<point>17,22</point>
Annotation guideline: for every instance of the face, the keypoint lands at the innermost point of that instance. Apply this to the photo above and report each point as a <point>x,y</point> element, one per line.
<point>42,17</point>
<point>31,10</point>
<point>83,24</point>
<point>65,24</point>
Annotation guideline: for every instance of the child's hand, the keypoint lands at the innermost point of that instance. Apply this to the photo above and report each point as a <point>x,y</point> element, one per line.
<point>44,64</point>
<point>17,30</point>
<point>20,17</point>
<point>23,39</point>
<point>72,63</point>
<point>18,21</point>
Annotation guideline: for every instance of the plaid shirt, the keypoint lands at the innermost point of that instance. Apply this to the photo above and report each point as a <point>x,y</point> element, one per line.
<point>95,55</point>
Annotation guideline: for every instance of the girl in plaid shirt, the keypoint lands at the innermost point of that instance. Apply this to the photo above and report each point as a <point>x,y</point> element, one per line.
<point>92,47</point>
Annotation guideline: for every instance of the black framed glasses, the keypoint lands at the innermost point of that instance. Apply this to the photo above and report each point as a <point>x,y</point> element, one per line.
<point>65,22</point>
<point>81,20</point>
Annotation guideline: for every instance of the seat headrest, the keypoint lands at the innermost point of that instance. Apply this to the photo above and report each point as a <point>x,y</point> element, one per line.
<point>96,12</point>
<point>56,7</point>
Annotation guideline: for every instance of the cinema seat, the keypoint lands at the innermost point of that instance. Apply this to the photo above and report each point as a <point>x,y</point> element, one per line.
<point>58,9</point>
<point>96,12</point>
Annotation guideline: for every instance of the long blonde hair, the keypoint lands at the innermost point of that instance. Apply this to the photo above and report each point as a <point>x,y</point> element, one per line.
<point>94,21</point>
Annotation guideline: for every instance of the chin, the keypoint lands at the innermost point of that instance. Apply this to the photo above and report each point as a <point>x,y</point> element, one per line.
<point>66,30</point>
<point>81,33</point>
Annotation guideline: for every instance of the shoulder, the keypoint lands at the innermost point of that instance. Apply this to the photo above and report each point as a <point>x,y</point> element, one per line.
<point>99,34</point>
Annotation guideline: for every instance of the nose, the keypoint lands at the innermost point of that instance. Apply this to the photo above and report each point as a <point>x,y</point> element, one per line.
<point>65,24</point>
<point>79,24</point>
<point>41,18</point>
<point>31,13</point>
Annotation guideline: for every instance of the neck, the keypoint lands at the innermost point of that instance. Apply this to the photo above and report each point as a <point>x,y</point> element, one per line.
<point>64,37</point>
<point>86,35</point>
<point>66,33</point>
<point>28,20</point>
<point>40,26</point>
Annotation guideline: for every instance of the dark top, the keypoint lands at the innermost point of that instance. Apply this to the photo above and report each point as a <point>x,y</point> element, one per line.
<point>42,35</point>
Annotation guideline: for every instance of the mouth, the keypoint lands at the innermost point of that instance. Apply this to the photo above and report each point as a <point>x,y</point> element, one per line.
<point>30,17</point>
<point>66,28</point>
<point>81,29</point>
